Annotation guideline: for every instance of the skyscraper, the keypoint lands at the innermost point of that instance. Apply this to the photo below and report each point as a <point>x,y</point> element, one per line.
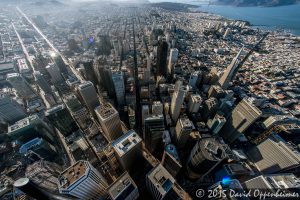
<point>109,120</point>
<point>79,113</point>
<point>171,160</point>
<point>274,155</point>
<point>184,128</point>
<point>41,81</point>
<point>153,132</point>
<point>162,54</point>
<point>216,91</point>
<point>242,116</point>
<point>29,128</point>
<point>88,66</point>
<point>195,79</point>
<point>177,101</point>
<point>206,155</point>
<point>162,185</point>
<point>89,95</point>
<point>128,149</point>
<point>216,123</point>
<point>10,110</point>
<point>60,118</point>
<point>41,147</point>
<point>118,81</point>
<point>172,60</point>
<point>123,188</point>
<point>22,87</point>
<point>83,181</point>
<point>195,102</point>
<point>229,72</point>
<point>55,73</point>
<point>57,59</point>
<point>210,108</point>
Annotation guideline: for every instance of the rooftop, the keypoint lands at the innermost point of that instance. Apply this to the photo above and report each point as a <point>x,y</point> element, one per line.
<point>72,174</point>
<point>126,142</point>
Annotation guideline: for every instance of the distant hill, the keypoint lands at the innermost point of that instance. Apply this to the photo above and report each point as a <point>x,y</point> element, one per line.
<point>174,6</point>
<point>265,3</point>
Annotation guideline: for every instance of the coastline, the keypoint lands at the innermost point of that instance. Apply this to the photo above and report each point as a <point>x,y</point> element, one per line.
<point>263,25</point>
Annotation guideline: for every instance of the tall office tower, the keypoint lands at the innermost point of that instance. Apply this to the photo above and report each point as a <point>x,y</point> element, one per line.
<point>55,73</point>
<point>157,108</point>
<point>229,72</point>
<point>10,110</point>
<point>123,188</point>
<point>242,116</point>
<point>216,91</point>
<point>195,102</point>
<point>118,81</point>
<point>89,70</point>
<point>195,79</point>
<point>162,185</point>
<point>171,160</point>
<point>110,121</point>
<point>145,113</point>
<point>184,128</point>
<point>45,174</point>
<point>210,108</point>
<point>153,132</point>
<point>79,113</point>
<point>41,81</point>
<point>61,119</point>
<point>106,75</point>
<point>177,101</point>
<point>41,147</point>
<point>216,123</point>
<point>131,117</point>
<point>162,54</point>
<point>89,95</point>
<point>128,149</point>
<point>57,59</point>
<point>82,181</point>
<point>147,70</point>
<point>274,155</point>
<point>21,85</point>
<point>172,60</point>
<point>205,156</point>
<point>274,182</point>
<point>29,128</point>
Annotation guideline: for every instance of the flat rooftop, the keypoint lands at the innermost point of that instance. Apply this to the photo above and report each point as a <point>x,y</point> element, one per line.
<point>72,174</point>
<point>162,179</point>
<point>126,142</point>
<point>106,110</point>
<point>123,183</point>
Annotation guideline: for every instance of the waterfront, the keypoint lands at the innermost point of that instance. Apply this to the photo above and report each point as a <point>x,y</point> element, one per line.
<point>283,17</point>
